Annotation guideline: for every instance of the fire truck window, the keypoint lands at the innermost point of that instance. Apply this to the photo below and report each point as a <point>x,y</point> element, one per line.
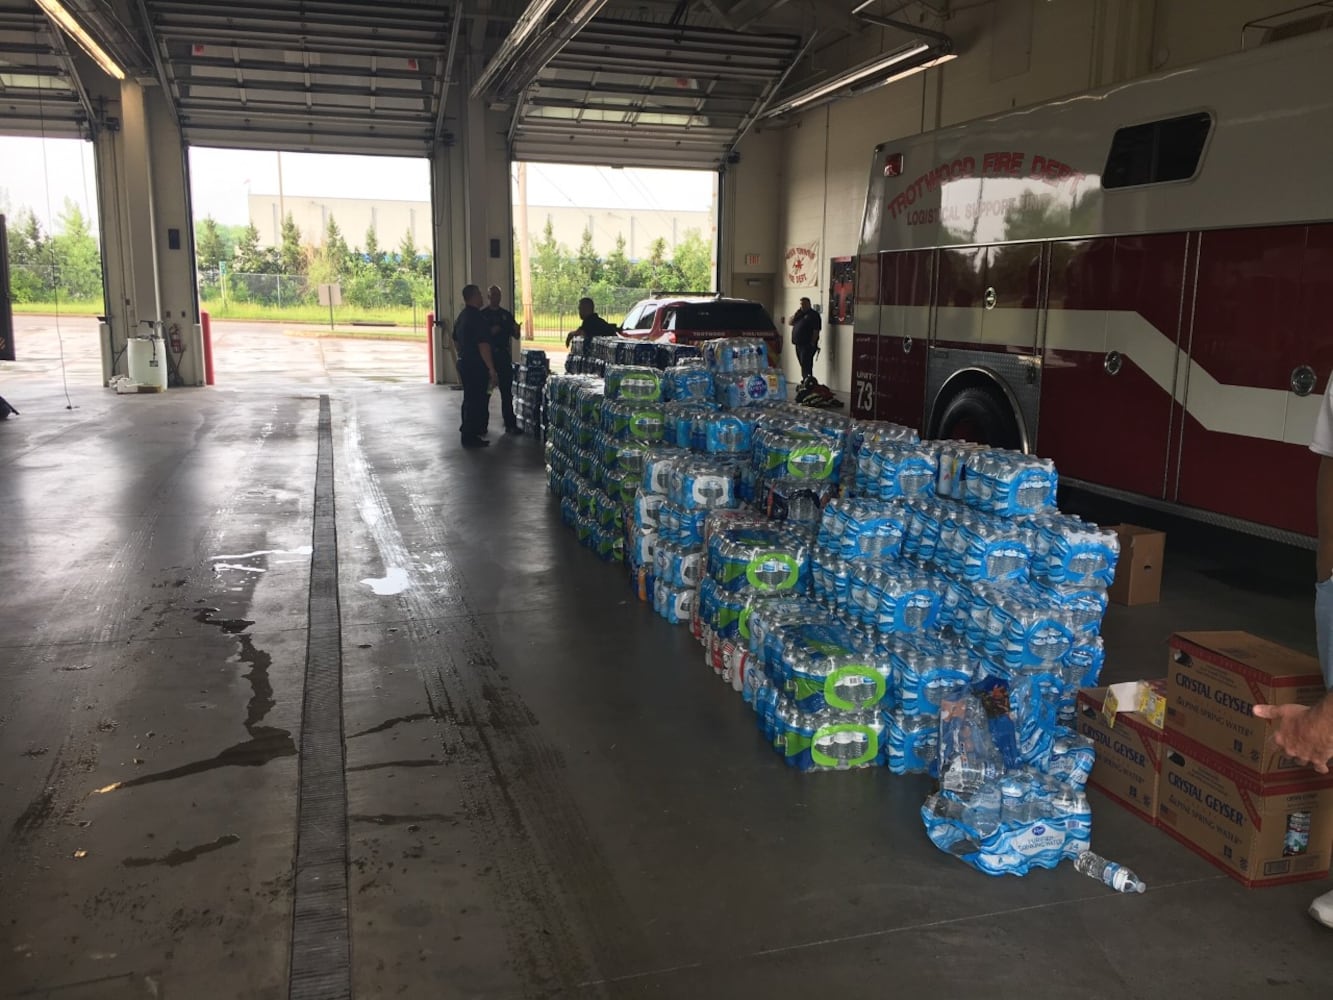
<point>1157,152</point>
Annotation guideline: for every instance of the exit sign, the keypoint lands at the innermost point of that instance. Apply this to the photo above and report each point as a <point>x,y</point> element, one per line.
<point>751,259</point>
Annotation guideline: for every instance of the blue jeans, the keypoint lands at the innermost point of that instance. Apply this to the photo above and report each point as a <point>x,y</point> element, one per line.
<point>1323,623</point>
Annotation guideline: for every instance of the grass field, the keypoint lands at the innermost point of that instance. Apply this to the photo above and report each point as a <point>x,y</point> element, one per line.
<point>93,307</point>
<point>551,327</point>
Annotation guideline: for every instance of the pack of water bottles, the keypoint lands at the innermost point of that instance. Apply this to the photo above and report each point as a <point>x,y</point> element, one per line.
<point>797,453</point>
<point>1002,819</point>
<point>634,383</point>
<point>688,382</point>
<point>735,356</point>
<point>798,502</point>
<point>766,561</point>
<point>864,529</point>
<point>1009,482</point>
<point>755,389</point>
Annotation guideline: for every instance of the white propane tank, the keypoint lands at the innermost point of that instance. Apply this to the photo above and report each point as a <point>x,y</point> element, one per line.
<point>148,362</point>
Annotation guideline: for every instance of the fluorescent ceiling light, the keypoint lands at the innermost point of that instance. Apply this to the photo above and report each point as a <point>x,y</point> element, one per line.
<point>57,12</point>
<point>853,75</point>
<point>849,79</point>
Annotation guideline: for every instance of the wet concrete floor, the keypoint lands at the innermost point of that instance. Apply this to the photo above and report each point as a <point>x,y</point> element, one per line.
<point>548,794</point>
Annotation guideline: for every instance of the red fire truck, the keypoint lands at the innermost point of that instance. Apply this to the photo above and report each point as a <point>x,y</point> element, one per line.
<point>1135,282</point>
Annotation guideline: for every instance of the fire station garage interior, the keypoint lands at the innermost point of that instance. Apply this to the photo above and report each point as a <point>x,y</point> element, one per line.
<point>944,687</point>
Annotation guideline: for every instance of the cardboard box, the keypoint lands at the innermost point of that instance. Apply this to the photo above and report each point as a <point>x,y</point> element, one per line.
<point>1213,683</point>
<point>1138,571</point>
<point>1129,754</point>
<point>1260,830</point>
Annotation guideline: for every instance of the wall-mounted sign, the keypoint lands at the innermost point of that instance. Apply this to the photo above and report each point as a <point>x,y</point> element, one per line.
<point>841,289</point>
<point>802,265</point>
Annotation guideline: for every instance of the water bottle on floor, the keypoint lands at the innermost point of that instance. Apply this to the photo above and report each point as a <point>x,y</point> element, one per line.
<point>1117,876</point>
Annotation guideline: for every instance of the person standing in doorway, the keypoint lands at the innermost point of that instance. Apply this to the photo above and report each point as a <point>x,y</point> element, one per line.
<point>476,366</point>
<point>805,327</point>
<point>1306,732</point>
<point>503,331</point>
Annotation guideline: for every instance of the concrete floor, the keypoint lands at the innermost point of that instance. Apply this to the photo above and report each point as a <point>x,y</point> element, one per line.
<point>547,792</point>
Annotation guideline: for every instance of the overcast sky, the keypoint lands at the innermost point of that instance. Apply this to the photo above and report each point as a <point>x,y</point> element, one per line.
<point>39,172</point>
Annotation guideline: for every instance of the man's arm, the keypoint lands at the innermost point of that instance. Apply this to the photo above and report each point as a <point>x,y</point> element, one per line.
<point>484,349</point>
<point>1305,733</point>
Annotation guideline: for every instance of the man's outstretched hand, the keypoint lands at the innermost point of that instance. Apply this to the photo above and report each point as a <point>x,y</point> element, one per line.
<point>1302,732</point>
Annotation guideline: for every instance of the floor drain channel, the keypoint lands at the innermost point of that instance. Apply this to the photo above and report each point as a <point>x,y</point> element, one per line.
<point>321,949</point>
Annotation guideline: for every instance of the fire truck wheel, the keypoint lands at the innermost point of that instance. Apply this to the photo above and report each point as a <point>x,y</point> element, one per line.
<point>979,414</point>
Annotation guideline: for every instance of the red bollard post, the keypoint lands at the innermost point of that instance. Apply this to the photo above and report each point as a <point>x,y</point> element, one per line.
<point>206,325</point>
<point>430,345</point>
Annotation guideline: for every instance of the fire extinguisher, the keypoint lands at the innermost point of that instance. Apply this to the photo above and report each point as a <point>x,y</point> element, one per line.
<point>174,338</point>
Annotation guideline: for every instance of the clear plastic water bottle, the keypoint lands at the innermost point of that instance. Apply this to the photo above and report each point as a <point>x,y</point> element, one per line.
<point>1109,873</point>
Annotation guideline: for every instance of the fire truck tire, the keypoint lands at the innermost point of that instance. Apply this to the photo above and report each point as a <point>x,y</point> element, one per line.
<point>982,415</point>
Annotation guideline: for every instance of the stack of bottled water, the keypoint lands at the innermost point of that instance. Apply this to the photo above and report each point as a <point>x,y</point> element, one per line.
<point>877,599</point>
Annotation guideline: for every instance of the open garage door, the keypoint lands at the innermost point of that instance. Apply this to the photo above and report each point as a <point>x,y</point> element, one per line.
<point>311,77</point>
<point>654,95</point>
<point>39,93</point>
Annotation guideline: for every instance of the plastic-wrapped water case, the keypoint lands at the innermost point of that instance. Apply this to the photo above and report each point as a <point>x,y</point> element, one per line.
<point>636,352</point>
<point>926,672</point>
<point>1009,483</point>
<point>657,463</point>
<point>675,604</point>
<point>701,484</point>
<point>797,454</point>
<point>736,355</point>
<point>864,529</point>
<point>633,383</point>
<point>829,741</point>
<point>689,382</point>
<point>685,423</point>
<point>1069,552</point>
<point>891,469</point>
<point>830,677</point>
<point>736,391</point>
<point>912,743</point>
<point>727,434</point>
<point>647,507</point>
<point>636,421</point>
<point>669,355</point>
<point>678,565</point>
<point>797,501</point>
<point>762,560</point>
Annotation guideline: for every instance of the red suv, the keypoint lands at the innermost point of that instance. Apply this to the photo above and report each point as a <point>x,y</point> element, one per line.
<point>692,319</point>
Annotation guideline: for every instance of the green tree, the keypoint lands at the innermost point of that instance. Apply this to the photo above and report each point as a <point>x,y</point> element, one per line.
<point>588,264</point>
<point>373,252</point>
<point>209,247</point>
<point>407,252</point>
<point>32,273</point>
<point>249,257</point>
<point>617,269</point>
<point>655,272</point>
<point>693,261</point>
<point>292,254</point>
<point>77,257</point>
<point>335,254</point>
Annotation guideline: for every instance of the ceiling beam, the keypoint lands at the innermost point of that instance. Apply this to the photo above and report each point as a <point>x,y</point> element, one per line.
<point>291,69</point>
<point>168,91</point>
<point>446,77</point>
<point>57,36</point>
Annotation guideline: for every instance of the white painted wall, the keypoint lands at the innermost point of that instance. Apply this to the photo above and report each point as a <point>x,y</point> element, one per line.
<point>1012,53</point>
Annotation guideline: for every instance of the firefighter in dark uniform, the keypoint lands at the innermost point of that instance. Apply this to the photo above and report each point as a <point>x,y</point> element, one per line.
<point>503,331</point>
<point>476,366</point>
<point>805,326</point>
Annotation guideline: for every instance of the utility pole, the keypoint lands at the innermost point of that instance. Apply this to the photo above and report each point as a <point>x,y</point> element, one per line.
<point>524,266</point>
